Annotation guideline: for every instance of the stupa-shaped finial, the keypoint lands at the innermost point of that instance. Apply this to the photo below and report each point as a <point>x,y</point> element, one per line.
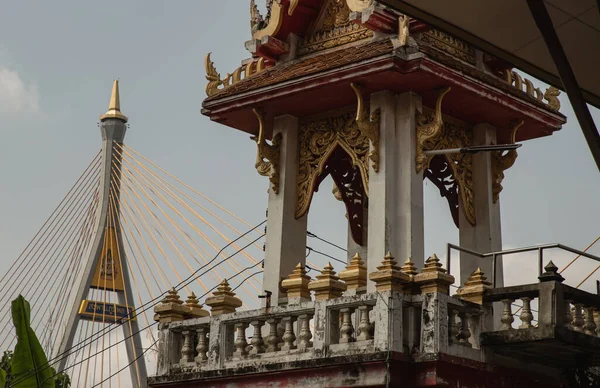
<point>327,285</point>
<point>355,275</point>
<point>195,308</point>
<point>223,300</point>
<point>114,107</point>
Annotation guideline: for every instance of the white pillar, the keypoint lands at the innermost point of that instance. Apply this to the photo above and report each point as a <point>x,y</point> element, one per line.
<point>486,235</point>
<point>286,235</point>
<point>396,190</point>
<point>409,183</point>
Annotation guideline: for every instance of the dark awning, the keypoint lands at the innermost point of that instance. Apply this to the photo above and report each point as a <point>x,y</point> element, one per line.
<point>506,29</point>
<point>550,39</point>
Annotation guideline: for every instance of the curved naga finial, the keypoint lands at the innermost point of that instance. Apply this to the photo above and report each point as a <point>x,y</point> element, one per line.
<point>368,125</point>
<point>502,162</point>
<point>213,77</point>
<point>551,95</point>
<point>267,155</point>
<point>429,129</point>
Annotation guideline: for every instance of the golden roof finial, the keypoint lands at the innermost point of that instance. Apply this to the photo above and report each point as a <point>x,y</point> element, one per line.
<point>114,108</point>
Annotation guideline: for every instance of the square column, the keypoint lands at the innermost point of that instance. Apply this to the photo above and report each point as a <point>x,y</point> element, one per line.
<point>286,235</point>
<point>486,235</point>
<point>396,190</point>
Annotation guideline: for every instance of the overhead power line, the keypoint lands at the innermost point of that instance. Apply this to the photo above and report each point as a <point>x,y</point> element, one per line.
<point>20,379</point>
<point>148,304</point>
<point>309,234</point>
<point>326,255</point>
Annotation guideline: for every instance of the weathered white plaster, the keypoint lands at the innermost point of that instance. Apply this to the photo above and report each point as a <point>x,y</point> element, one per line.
<point>286,235</point>
<point>486,235</point>
<point>396,190</point>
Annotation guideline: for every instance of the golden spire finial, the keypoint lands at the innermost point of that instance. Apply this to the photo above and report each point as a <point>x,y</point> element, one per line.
<point>114,107</point>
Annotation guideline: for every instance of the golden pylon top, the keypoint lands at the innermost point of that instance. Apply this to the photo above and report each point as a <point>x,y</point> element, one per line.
<point>114,107</point>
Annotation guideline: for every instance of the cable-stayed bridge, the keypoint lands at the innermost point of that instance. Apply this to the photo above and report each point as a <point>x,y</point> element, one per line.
<point>123,235</point>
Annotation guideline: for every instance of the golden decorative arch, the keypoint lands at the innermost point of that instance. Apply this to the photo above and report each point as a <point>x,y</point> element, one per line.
<point>318,142</point>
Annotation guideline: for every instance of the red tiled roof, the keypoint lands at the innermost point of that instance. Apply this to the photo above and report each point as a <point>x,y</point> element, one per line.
<point>302,67</point>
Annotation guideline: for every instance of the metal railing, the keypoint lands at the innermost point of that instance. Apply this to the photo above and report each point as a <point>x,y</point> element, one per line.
<point>494,255</point>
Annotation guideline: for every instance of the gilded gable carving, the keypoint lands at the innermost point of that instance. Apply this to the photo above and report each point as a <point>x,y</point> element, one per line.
<point>335,29</point>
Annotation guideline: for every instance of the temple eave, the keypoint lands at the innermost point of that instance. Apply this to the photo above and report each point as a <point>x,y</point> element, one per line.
<point>305,95</point>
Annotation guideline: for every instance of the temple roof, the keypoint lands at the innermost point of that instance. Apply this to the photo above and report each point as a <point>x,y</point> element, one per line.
<point>306,66</point>
<point>302,64</point>
<point>328,60</point>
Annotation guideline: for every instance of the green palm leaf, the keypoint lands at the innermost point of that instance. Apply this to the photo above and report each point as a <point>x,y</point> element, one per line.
<point>2,378</point>
<point>29,363</point>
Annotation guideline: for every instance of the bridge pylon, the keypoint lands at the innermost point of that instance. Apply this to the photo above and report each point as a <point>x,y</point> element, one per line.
<point>105,262</point>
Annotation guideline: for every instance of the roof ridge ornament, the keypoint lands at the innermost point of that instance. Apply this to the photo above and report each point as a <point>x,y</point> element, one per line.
<point>269,25</point>
<point>216,84</point>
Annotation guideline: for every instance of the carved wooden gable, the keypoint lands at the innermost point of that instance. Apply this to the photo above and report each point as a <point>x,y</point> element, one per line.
<point>333,28</point>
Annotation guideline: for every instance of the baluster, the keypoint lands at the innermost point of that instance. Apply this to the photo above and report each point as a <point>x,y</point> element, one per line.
<point>202,347</point>
<point>568,315</point>
<point>453,329</point>
<point>258,344</point>
<point>364,327</point>
<point>526,315</point>
<point>273,338</point>
<point>288,336</point>
<point>464,332</point>
<point>187,350</point>
<point>507,318</point>
<point>589,326</point>
<point>240,342</point>
<point>304,334</point>
<point>346,330</point>
<point>578,318</point>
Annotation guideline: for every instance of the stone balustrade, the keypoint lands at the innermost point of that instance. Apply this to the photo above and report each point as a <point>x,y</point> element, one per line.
<point>412,313</point>
<point>565,325</point>
<point>323,319</point>
<point>288,332</point>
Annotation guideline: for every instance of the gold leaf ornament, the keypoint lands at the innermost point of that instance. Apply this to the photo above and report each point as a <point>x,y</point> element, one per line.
<point>293,6</point>
<point>318,141</point>
<point>429,131</point>
<point>212,76</point>
<point>368,125</point>
<point>267,155</point>
<point>502,162</point>
<point>551,95</point>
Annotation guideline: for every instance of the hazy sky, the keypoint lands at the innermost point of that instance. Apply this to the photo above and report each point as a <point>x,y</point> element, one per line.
<point>57,63</point>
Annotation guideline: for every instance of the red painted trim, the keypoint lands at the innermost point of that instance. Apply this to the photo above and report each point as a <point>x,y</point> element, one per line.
<point>389,72</point>
<point>490,93</point>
